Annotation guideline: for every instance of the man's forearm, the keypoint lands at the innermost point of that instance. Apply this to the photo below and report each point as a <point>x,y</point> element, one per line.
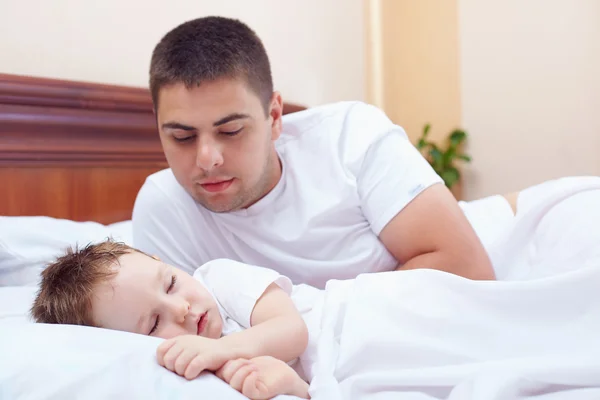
<point>477,268</point>
<point>284,338</point>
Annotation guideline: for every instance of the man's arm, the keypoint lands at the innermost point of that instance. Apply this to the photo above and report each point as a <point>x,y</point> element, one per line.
<point>405,201</point>
<point>432,232</point>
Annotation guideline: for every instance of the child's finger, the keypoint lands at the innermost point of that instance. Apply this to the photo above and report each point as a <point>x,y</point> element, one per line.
<point>252,389</point>
<point>221,371</point>
<point>162,350</point>
<point>171,356</point>
<point>237,380</point>
<point>183,360</point>
<point>230,368</point>
<point>195,367</point>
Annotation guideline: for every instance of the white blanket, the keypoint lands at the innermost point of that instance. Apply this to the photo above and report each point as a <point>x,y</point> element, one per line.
<point>425,334</point>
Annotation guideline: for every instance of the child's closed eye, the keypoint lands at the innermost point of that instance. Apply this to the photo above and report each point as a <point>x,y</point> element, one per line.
<point>173,281</point>
<point>171,285</point>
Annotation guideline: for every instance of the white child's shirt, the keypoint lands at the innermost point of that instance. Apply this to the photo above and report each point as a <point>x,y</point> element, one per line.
<point>236,287</point>
<point>347,170</point>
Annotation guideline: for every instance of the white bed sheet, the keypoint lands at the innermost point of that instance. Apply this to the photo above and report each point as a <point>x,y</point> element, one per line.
<point>432,335</point>
<point>45,362</point>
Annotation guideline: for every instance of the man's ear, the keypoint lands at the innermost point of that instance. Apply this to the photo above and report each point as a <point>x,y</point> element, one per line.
<point>276,112</point>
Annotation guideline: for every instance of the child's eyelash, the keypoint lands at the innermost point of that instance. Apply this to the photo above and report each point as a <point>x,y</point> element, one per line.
<point>173,281</point>
<point>155,325</point>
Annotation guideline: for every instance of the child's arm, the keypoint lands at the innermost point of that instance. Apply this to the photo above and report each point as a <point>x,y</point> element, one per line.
<point>278,329</point>
<point>263,378</point>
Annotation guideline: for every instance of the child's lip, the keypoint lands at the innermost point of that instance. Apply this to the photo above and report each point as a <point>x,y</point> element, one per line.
<point>201,323</point>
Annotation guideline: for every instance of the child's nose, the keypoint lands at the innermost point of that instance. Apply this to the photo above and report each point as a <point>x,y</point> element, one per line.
<point>181,309</point>
<point>185,311</point>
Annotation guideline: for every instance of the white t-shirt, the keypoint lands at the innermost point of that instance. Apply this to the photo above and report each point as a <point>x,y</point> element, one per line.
<point>347,171</point>
<point>236,287</point>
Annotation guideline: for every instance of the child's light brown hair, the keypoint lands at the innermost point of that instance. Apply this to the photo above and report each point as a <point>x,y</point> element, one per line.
<point>67,286</point>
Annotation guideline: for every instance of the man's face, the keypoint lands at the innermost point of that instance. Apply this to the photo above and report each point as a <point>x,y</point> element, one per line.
<point>149,297</point>
<point>219,143</point>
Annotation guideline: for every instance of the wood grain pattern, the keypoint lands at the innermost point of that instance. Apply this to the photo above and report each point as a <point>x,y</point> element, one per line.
<point>76,150</point>
<point>51,122</point>
<point>101,194</point>
<point>33,91</point>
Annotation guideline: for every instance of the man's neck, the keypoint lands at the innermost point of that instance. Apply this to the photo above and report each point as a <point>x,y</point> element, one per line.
<point>274,173</point>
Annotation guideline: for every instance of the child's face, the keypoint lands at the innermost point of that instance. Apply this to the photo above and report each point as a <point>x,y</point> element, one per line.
<point>150,297</point>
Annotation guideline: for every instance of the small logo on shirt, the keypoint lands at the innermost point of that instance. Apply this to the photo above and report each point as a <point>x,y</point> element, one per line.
<point>416,190</point>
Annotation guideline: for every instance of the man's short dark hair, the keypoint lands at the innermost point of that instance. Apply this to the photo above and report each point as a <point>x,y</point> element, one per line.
<point>207,49</point>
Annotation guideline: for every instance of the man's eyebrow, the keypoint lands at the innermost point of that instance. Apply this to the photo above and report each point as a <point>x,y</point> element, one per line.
<point>229,118</point>
<point>177,125</point>
<point>222,121</point>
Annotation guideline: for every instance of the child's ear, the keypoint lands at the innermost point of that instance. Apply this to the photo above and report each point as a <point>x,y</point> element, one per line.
<point>156,258</point>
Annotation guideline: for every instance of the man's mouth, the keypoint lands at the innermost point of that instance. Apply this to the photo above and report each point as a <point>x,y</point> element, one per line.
<point>215,186</point>
<point>202,324</point>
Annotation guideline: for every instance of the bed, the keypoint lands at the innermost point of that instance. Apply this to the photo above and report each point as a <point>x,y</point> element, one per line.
<point>88,147</point>
<point>72,158</point>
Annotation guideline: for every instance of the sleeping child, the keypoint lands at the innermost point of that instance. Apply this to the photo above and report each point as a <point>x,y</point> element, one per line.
<point>244,323</point>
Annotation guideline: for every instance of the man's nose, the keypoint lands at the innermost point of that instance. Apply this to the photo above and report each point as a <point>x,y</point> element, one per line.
<point>208,155</point>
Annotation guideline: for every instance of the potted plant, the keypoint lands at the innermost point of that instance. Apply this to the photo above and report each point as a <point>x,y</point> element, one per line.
<point>443,159</point>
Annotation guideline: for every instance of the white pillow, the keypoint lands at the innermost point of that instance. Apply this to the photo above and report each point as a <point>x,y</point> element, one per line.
<point>42,361</point>
<point>27,244</point>
<point>68,362</point>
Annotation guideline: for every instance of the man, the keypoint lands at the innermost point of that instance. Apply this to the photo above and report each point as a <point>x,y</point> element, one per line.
<point>327,193</point>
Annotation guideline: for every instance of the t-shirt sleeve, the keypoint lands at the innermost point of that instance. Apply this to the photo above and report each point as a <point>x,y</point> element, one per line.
<point>390,171</point>
<point>238,286</point>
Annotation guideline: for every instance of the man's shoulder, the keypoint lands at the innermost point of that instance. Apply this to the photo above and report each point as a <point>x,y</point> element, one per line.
<point>317,116</point>
<point>334,119</point>
<point>328,109</point>
<point>341,131</point>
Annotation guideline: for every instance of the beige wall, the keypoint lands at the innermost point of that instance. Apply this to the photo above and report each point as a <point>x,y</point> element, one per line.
<point>412,63</point>
<point>520,76</point>
<point>316,47</point>
<point>530,86</point>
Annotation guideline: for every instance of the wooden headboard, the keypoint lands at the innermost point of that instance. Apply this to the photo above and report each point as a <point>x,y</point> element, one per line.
<point>76,150</point>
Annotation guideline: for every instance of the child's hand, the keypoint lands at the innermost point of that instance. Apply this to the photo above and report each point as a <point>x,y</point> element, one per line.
<point>189,355</point>
<point>263,378</point>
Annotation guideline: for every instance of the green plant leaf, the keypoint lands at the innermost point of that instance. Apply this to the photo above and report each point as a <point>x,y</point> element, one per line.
<point>450,176</point>
<point>449,156</point>
<point>442,159</point>
<point>426,130</point>
<point>436,157</point>
<point>457,137</point>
